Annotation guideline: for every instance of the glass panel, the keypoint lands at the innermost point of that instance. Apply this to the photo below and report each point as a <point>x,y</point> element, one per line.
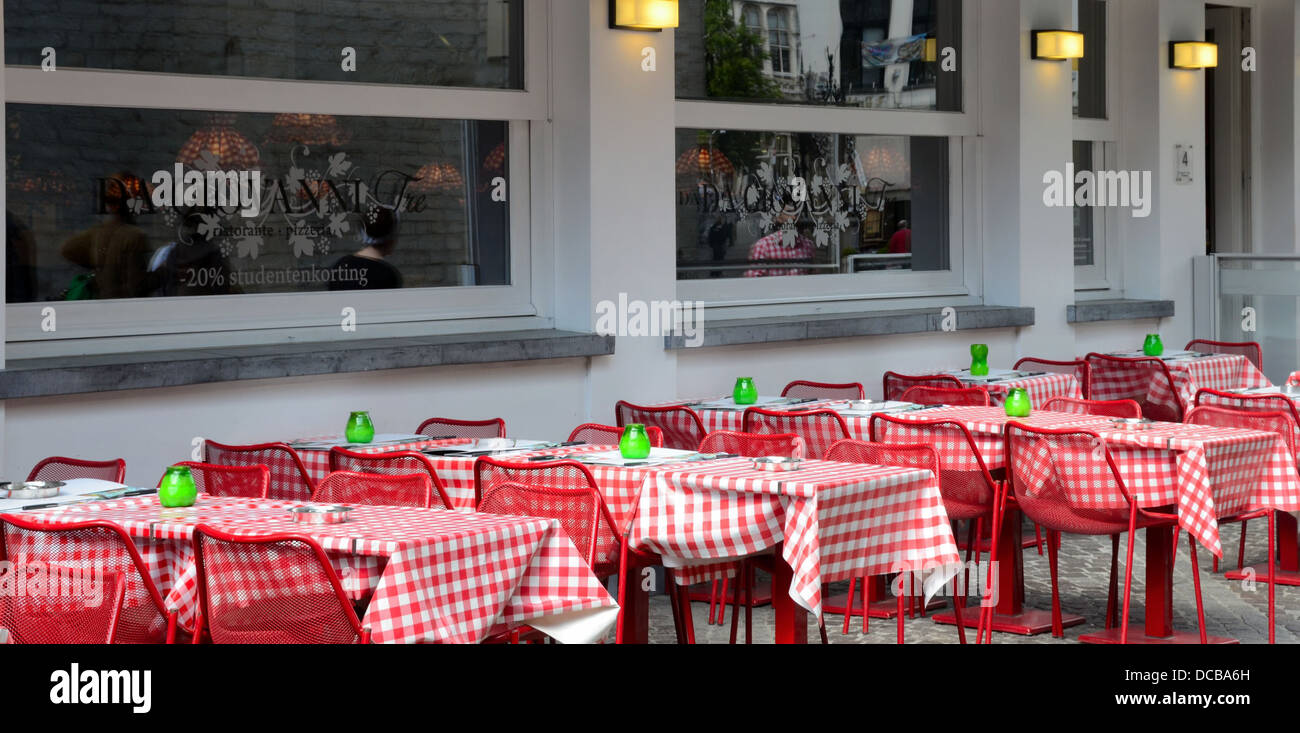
<point>851,53</point>
<point>774,204</point>
<point>454,43</point>
<point>1271,289</point>
<point>1084,216</point>
<point>1090,71</point>
<point>267,203</point>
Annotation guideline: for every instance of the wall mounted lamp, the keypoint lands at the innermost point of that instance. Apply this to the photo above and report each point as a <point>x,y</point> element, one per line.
<point>1056,45</point>
<point>1193,55</point>
<point>642,15</point>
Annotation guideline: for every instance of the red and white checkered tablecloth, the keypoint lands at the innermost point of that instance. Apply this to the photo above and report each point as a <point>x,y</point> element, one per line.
<point>433,575</point>
<point>1207,472</point>
<point>1294,379</point>
<point>836,520</point>
<point>1221,372</point>
<point>1041,388</point>
<point>317,461</point>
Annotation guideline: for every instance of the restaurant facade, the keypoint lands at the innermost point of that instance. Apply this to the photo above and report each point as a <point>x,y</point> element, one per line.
<point>570,214</point>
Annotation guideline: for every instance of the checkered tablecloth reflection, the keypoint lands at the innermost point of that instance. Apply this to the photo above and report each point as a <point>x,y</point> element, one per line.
<point>431,574</point>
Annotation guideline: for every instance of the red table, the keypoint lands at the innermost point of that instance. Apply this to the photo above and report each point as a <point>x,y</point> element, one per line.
<point>826,522</point>
<point>430,574</point>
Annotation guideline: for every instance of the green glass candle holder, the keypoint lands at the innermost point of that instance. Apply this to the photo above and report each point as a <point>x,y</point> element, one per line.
<point>745,392</point>
<point>360,429</point>
<point>177,488</point>
<point>1018,403</point>
<point>979,360</point>
<point>1153,346</point>
<point>634,443</point>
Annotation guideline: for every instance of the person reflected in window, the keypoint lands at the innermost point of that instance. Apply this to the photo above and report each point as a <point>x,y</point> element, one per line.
<point>784,244</point>
<point>116,251</point>
<point>20,261</point>
<point>192,264</point>
<point>901,242</point>
<point>368,268</point>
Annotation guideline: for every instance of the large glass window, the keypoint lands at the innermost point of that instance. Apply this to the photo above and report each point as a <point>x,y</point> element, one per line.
<point>854,53</point>
<point>113,203</point>
<point>454,43</point>
<point>774,204</point>
<point>1090,71</point>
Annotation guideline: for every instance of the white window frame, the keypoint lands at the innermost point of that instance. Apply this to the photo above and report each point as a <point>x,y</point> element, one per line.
<point>119,325</point>
<point>788,29</point>
<point>1104,278</point>
<point>961,284</point>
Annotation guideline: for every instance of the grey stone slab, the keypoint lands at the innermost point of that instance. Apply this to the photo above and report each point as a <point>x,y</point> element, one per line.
<point>1093,311</point>
<point>852,325</point>
<point>147,370</point>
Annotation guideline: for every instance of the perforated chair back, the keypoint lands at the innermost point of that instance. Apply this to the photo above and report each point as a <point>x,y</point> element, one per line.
<point>818,428</point>
<point>289,478</point>
<point>964,396</point>
<point>896,384</point>
<point>751,445</point>
<point>250,482</point>
<point>1078,368</point>
<point>682,427</point>
<point>561,490</point>
<point>800,389</point>
<point>1255,403</point>
<point>375,489</point>
<point>94,551</point>
<point>1104,408</point>
<point>1066,480</point>
<point>1277,421</point>
<point>597,434</point>
<point>1248,349</point>
<point>392,463</point>
<point>58,468</point>
<point>270,589</point>
<point>885,454</point>
<point>967,486</point>
<point>446,427</point>
<point>1136,378</point>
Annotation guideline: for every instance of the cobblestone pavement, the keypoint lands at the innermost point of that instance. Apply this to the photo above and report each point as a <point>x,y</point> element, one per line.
<point>1232,608</point>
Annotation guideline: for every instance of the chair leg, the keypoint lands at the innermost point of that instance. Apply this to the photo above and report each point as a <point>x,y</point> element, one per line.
<point>1173,553</point>
<point>900,613</point>
<point>678,629</point>
<point>1038,537</point>
<point>1196,583</point>
<point>749,603</point>
<point>722,602</point>
<point>735,601</point>
<point>1128,575</point>
<point>1241,550</point>
<point>848,611</point>
<point>1058,630</point>
<point>1112,594</point>
<point>958,602</point>
<point>866,603</point>
<point>1272,579</point>
<point>713,600</point>
<point>986,608</point>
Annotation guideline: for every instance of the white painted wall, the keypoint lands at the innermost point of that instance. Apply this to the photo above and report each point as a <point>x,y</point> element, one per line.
<point>609,209</point>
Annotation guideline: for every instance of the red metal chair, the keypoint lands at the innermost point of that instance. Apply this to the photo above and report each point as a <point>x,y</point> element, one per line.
<point>1104,408</point>
<point>251,482</point>
<point>393,463</point>
<point>818,428</point>
<point>896,384</point>
<point>58,468</point>
<point>270,589</point>
<point>289,478</point>
<point>905,456</point>
<point>1285,425</point>
<point>596,434</point>
<point>1132,378</point>
<point>565,491</point>
<point>1248,349</point>
<point>1066,481</point>
<point>375,489</point>
<point>800,389</point>
<point>751,445</point>
<point>445,427</point>
<point>953,396</point>
<point>682,427</point>
<point>1078,368</point>
<point>969,489</point>
<point>99,554</point>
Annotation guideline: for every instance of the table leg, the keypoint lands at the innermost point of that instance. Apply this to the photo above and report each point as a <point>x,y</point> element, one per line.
<point>1159,628</point>
<point>1010,615</point>
<point>791,618</point>
<point>1288,556</point>
<point>636,607</point>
